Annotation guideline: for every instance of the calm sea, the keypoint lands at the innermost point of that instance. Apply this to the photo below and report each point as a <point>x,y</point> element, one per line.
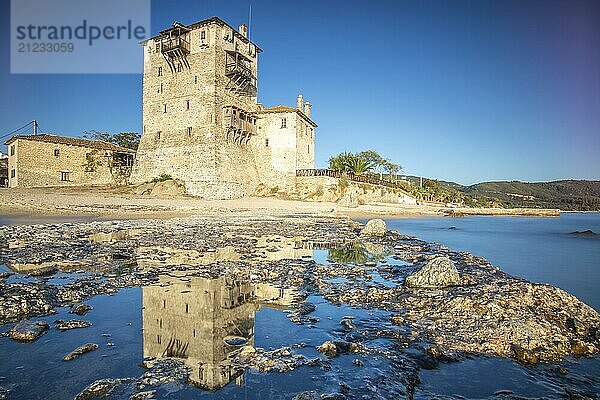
<point>538,249</point>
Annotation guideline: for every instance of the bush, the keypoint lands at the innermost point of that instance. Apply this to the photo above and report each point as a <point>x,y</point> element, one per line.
<point>162,178</point>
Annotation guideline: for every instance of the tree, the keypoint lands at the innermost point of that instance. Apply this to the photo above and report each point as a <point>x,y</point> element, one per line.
<point>340,162</point>
<point>374,159</point>
<point>358,165</point>
<point>392,168</point>
<point>130,140</point>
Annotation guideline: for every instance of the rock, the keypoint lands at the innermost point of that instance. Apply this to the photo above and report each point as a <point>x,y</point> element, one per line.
<point>28,331</point>
<point>375,227</point>
<point>247,352</point>
<point>438,272</point>
<point>80,350</point>
<point>357,362</point>
<point>308,395</point>
<point>328,348</point>
<point>71,324</point>
<point>235,341</point>
<point>524,356</point>
<point>397,320</point>
<point>333,348</point>
<point>147,395</point>
<point>587,232</point>
<point>333,396</point>
<point>350,198</point>
<point>81,309</point>
<point>347,323</point>
<point>100,388</point>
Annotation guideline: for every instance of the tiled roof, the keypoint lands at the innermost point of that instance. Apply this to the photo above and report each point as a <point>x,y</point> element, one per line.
<point>48,138</point>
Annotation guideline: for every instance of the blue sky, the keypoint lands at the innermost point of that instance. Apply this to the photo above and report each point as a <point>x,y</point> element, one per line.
<point>466,91</point>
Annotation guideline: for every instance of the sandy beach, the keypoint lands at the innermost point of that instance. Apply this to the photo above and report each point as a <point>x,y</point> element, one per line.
<point>122,202</point>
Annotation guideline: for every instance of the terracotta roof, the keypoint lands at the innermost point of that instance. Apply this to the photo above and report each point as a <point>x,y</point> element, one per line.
<point>49,138</point>
<point>286,109</point>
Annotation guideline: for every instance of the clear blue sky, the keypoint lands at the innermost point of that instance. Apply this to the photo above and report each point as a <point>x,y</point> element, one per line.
<point>466,91</point>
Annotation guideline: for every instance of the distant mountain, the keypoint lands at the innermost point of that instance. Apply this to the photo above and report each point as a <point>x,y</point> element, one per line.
<point>566,195</point>
<point>574,195</point>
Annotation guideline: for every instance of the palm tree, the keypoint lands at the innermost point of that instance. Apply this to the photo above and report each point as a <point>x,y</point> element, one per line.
<point>358,165</point>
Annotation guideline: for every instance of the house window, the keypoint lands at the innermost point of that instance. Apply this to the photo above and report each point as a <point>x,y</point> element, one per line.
<point>12,150</point>
<point>64,176</point>
<point>13,173</point>
<point>158,135</point>
<point>187,103</point>
<point>189,131</point>
<point>267,142</point>
<point>283,123</point>
<point>165,108</point>
<point>159,71</point>
<point>56,152</point>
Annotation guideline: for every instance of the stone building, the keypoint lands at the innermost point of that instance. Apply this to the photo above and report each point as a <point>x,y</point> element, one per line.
<point>51,160</point>
<point>202,122</point>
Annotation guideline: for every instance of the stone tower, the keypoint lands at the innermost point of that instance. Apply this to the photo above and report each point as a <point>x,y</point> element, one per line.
<point>200,109</point>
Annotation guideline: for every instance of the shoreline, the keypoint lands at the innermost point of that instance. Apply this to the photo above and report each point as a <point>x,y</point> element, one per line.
<point>122,203</point>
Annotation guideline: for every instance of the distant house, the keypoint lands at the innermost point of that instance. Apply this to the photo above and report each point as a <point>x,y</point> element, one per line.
<point>3,170</point>
<point>51,160</point>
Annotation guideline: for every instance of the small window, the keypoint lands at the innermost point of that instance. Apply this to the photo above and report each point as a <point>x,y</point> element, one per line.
<point>267,142</point>
<point>203,35</point>
<point>160,89</point>
<point>179,68</point>
<point>158,135</point>
<point>189,131</point>
<point>187,104</point>
<point>64,176</point>
<point>159,71</point>
<point>165,108</point>
<point>56,152</point>
<point>13,173</point>
<point>12,150</point>
<point>309,149</point>
<point>283,123</point>
<point>195,79</point>
<point>187,308</point>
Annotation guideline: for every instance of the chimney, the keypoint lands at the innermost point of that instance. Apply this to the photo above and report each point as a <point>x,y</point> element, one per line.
<point>307,109</point>
<point>300,103</point>
<point>243,29</point>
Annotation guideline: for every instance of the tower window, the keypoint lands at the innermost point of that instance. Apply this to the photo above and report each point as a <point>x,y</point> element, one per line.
<point>187,103</point>
<point>187,308</point>
<point>283,123</point>
<point>165,106</point>
<point>179,68</point>
<point>158,135</point>
<point>56,152</point>
<point>13,173</point>
<point>267,142</point>
<point>64,176</point>
<point>309,149</point>
<point>160,89</point>
<point>189,131</point>
<point>12,150</point>
<point>195,79</point>
<point>203,35</point>
<point>159,71</point>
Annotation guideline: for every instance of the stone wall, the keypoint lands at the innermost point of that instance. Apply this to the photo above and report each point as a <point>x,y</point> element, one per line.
<point>36,165</point>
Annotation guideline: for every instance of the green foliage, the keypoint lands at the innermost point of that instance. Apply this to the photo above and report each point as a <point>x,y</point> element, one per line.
<point>350,163</point>
<point>162,178</point>
<point>129,140</point>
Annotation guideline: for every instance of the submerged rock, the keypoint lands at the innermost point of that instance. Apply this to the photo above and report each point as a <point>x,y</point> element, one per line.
<point>86,348</point>
<point>81,309</point>
<point>375,227</point>
<point>333,348</point>
<point>347,323</point>
<point>437,273</point>
<point>71,324</point>
<point>28,331</point>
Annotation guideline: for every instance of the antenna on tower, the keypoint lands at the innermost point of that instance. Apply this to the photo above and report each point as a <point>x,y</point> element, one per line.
<point>249,18</point>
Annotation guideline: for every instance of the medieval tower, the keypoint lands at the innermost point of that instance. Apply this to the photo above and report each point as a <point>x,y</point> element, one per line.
<point>202,123</point>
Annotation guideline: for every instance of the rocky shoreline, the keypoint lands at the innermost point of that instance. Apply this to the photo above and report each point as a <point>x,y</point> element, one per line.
<point>447,305</point>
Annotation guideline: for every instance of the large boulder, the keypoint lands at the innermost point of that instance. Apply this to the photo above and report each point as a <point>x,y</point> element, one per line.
<point>28,331</point>
<point>439,272</point>
<point>375,227</point>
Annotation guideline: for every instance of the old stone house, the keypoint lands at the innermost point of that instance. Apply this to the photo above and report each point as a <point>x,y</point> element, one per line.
<point>51,160</point>
<point>202,122</point>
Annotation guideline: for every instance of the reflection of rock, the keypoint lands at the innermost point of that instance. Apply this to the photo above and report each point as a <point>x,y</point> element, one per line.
<point>439,272</point>
<point>28,331</point>
<point>202,321</point>
<point>375,227</point>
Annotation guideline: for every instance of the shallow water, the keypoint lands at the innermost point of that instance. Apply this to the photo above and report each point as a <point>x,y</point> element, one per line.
<point>190,319</point>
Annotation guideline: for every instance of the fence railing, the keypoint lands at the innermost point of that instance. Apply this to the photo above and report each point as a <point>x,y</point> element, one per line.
<point>373,180</point>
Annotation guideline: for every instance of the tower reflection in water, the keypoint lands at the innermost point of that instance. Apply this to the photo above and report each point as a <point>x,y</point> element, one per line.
<point>201,321</point>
